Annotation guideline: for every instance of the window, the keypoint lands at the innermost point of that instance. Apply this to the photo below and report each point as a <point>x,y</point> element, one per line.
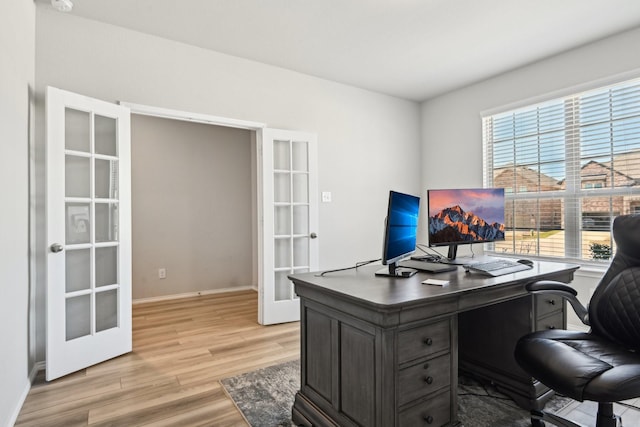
<point>572,165</point>
<point>587,185</point>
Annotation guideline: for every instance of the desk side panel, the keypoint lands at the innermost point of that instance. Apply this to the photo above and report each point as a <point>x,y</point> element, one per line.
<point>340,369</point>
<point>318,352</point>
<point>357,374</point>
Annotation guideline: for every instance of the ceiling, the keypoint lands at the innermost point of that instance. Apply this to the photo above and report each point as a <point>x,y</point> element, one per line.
<point>413,49</point>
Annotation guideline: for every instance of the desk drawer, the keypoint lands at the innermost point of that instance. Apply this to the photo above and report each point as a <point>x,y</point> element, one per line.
<point>424,378</point>
<point>423,341</point>
<point>433,412</point>
<point>555,321</point>
<point>546,304</point>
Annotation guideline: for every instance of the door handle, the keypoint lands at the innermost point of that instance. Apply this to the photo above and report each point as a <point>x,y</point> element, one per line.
<point>313,235</point>
<point>56,247</point>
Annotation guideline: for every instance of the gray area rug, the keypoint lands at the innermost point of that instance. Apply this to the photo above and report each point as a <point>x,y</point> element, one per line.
<point>265,397</point>
<point>482,406</point>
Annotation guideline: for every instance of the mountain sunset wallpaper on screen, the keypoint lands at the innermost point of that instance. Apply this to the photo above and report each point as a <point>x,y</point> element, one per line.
<point>466,215</point>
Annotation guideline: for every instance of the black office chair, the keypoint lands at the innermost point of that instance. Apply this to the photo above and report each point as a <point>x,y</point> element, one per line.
<point>602,365</point>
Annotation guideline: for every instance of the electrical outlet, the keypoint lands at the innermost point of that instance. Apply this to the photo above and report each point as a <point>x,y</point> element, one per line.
<point>326,196</point>
<point>162,273</point>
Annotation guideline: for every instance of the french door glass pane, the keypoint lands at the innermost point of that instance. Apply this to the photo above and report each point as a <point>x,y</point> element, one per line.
<point>301,219</point>
<point>106,310</point>
<point>300,157</point>
<point>106,266</point>
<point>300,188</point>
<point>77,269</point>
<point>301,251</point>
<point>106,222</point>
<point>78,225</point>
<point>282,253</point>
<point>105,135</point>
<point>106,181</point>
<point>282,220</point>
<point>281,157</point>
<point>77,130</point>
<point>77,176</point>
<point>281,187</point>
<point>283,287</point>
<point>78,316</point>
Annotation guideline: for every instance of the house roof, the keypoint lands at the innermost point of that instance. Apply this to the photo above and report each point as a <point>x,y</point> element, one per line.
<point>528,174</point>
<point>627,164</point>
<point>606,168</point>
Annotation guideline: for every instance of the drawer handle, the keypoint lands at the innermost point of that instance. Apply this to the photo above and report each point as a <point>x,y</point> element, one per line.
<point>551,301</point>
<point>428,419</point>
<point>428,341</point>
<point>551,327</point>
<point>428,380</point>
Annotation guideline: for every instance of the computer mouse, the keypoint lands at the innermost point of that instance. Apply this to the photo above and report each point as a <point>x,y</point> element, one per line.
<point>526,262</point>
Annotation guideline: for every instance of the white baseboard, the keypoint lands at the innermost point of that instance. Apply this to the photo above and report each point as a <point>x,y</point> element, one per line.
<point>23,396</point>
<point>16,411</point>
<point>39,366</point>
<point>193,294</point>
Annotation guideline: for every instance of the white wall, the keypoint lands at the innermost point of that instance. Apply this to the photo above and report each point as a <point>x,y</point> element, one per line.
<point>186,217</point>
<point>367,143</point>
<point>17,49</point>
<point>452,125</point>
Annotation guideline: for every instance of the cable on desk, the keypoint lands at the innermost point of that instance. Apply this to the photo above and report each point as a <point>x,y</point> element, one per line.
<point>430,252</point>
<point>358,264</point>
<point>438,257</point>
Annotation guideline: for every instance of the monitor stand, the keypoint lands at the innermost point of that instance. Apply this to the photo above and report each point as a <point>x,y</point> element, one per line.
<point>392,270</point>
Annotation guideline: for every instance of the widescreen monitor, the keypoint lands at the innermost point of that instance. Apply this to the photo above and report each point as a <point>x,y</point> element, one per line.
<point>401,229</point>
<point>465,216</point>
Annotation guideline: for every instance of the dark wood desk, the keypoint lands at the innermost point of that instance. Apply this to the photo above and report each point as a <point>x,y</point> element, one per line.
<point>382,352</point>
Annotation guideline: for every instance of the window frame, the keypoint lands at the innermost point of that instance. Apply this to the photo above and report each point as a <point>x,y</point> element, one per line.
<point>574,191</point>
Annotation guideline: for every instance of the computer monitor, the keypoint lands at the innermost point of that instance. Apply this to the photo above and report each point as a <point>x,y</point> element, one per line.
<point>400,231</point>
<point>465,216</point>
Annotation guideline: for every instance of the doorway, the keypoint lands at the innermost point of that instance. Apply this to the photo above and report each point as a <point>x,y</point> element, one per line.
<point>193,209</point>
<point>285,208</point>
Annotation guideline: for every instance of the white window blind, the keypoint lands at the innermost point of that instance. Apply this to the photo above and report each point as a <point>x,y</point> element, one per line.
<point>568,167</point>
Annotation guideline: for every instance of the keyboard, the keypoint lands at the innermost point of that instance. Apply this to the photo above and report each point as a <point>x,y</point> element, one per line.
<point>497,267</point>
<point>431,267</point>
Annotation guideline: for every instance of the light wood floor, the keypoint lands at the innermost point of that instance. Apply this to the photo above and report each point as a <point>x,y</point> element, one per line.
<point>181,349</point>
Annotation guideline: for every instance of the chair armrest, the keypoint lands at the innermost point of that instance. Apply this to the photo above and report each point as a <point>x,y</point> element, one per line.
<point>562,290</point>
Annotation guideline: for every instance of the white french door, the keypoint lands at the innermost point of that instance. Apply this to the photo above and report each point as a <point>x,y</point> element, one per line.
<point>88,232</point>
<point>289,211</point>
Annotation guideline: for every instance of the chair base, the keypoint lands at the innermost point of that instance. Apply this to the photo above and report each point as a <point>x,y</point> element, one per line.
<point>604,418</point>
